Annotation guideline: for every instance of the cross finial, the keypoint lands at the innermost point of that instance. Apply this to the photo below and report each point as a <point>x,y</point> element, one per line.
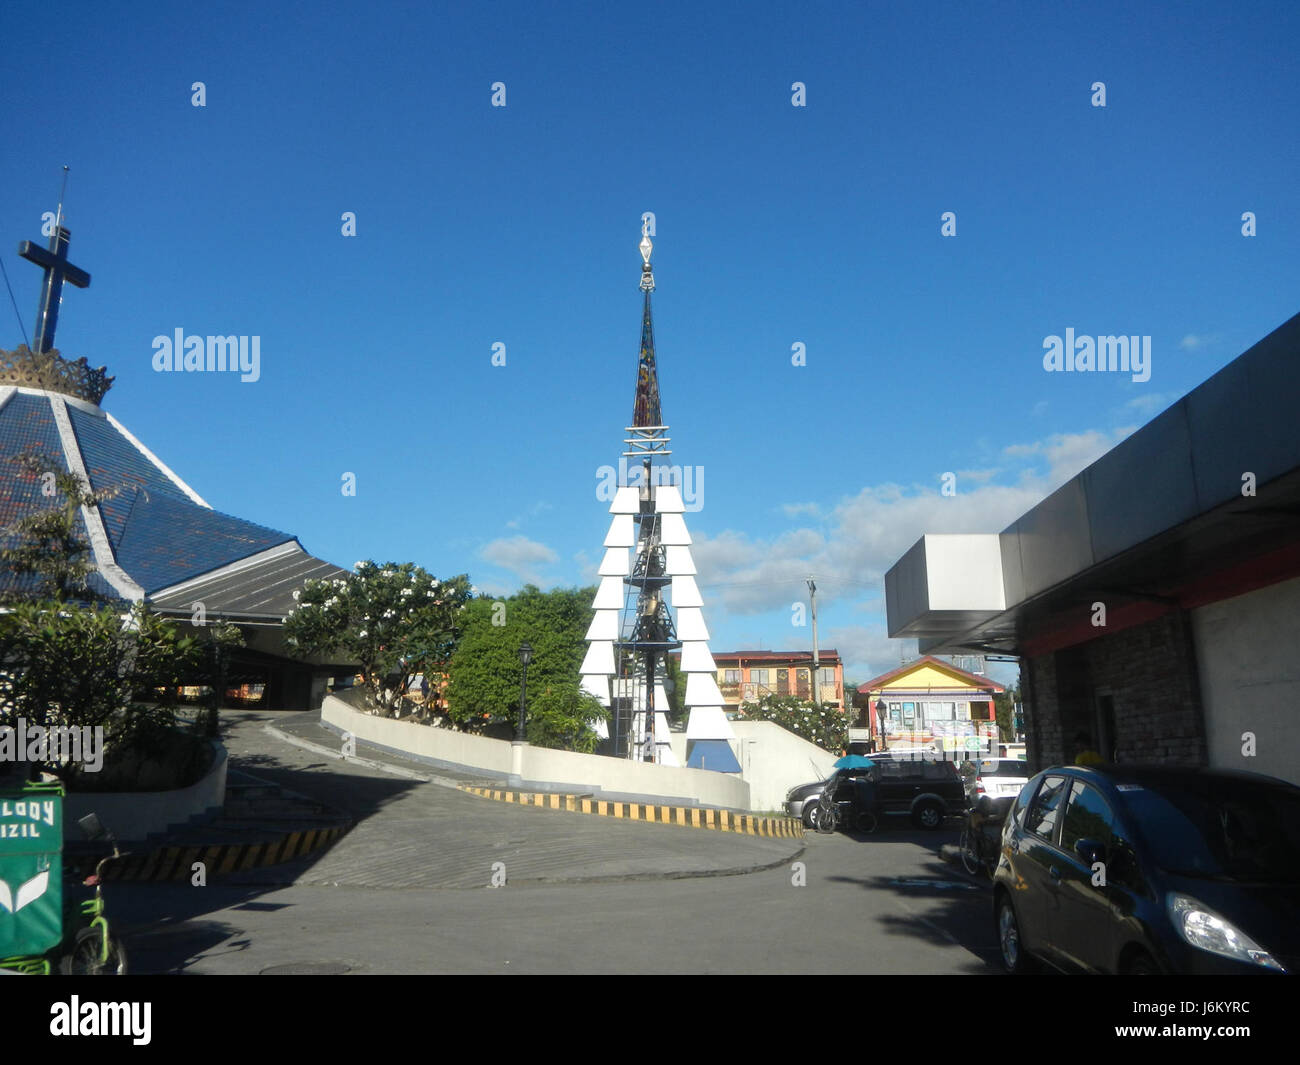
<point>57,270</point>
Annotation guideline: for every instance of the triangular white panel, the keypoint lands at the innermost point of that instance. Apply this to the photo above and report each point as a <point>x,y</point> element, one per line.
<point>696,657</point>
<point>690,624</point>
<point>614,563</point>
<point>672,530</point>
<point>610,596</point>
<point>600,659</point>
<point>701,688</point>
<point>597,685</point>
<point>604,626</point>
<point>668,500</point>
<point>685,593</point>
<point>621,533</point>
<point>679,561</point>
<point>709,723</point>
<point>627,500</point>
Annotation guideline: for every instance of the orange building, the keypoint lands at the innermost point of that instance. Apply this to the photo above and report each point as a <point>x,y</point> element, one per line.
<point>746,676</point>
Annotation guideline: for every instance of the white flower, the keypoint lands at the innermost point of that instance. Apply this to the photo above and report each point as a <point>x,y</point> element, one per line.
<point>295,597</point>
<point>406,591</point>
<point>362,634</point>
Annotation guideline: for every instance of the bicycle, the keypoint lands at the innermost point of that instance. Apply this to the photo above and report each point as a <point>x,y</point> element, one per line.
<point>95,950</point>
<point>829,816</point>
<point>92,950</point>
<point>978,850</point>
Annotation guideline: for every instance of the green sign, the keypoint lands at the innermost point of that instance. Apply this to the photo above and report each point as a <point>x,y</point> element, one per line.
<point>31,870</point>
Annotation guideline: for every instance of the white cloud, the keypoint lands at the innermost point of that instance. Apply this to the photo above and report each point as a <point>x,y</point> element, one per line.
<point>1192,341</point>
<point>865,534</point>
<point>519,555</point>
<point>793,510</point>
<point>1150,403</point>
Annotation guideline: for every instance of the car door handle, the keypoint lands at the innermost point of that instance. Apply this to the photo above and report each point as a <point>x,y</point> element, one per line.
<point>1055,874</point>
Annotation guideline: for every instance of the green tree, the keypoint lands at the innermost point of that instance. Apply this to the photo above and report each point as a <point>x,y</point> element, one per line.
<point>46,543</point>
<point>1003,709</point>
<point>68,665</point>
<point>828,728</point>
<point>394,620</point>
<point>563,716</point>
<point>485,671</point>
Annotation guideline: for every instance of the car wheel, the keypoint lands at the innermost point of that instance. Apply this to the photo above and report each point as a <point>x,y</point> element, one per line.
<point>967,848</point>
<point>1141,964</point>
<point>1014,957</point>
<point>929,815</point>
<point>810,815</point>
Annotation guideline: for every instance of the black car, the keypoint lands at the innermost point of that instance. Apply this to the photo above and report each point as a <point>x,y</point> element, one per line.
<point>926,789</point>
<point>1150,869</point>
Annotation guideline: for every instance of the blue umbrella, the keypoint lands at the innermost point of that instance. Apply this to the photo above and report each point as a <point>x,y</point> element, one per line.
<point>855,761</point>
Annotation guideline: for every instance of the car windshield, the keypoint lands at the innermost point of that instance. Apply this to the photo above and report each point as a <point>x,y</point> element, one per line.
<point>1233,829</point>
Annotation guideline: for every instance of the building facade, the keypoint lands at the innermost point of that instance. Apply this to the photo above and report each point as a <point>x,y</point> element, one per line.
<point>747,676</point>
<point>1153,600</point>
<point>928,703</point>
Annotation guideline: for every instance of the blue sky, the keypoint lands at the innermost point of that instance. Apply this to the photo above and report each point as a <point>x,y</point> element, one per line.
<point>776,225</point>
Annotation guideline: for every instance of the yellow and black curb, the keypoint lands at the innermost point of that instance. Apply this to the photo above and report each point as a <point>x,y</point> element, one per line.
<point>221,859</point>
<point>685,816</point>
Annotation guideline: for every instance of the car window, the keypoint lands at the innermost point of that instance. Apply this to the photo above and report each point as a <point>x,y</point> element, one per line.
<point>1087,816</point>
<point>1220,828</point>
<point>890,770</point>
<point>937,770</point>
<point>1041,819</point>
<point>1022,801</point>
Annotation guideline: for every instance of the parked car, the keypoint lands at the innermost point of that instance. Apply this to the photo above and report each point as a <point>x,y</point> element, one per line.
<point>995,777</point>
<point>1150,869</point>
<point>925,789</point>
<point>802,800</point>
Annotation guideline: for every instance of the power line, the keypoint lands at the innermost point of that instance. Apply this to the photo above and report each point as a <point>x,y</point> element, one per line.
<point>14,302</point>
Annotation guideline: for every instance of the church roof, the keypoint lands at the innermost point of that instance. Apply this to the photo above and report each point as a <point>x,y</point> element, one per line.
<point>156,533</point>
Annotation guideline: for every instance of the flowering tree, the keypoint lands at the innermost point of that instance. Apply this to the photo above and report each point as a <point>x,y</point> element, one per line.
<point>394,620</point>
<point>827,727</point>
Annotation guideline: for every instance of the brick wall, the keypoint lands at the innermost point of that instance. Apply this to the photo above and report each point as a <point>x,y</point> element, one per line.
<point>1149,671</point>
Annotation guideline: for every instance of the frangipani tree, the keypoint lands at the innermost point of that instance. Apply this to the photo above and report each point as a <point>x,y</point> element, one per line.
<point>827,727</point>
<point>394,620</point>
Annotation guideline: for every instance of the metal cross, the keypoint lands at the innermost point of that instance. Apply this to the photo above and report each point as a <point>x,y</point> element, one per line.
<point>57,270</point>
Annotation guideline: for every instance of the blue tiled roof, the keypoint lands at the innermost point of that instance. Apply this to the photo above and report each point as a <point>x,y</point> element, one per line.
<point>160,537</point>
<point>112,461</point>
<point>167,539</point>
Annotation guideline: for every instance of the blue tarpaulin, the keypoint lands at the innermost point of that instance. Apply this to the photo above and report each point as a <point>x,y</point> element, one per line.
<point>713,754</point>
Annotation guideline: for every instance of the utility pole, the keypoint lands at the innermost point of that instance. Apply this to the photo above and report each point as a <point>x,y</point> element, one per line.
<point>817,662</point>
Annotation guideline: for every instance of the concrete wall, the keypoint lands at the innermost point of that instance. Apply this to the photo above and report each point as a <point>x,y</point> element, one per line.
<point>438,746</point>
<point>1246,649</point>
<point>543,768</point>
<point>136,815</point>
<point>773,760</point>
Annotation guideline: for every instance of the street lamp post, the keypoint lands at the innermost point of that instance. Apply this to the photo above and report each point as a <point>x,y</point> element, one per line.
<point>525,656</point>
<point>880,720</point>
